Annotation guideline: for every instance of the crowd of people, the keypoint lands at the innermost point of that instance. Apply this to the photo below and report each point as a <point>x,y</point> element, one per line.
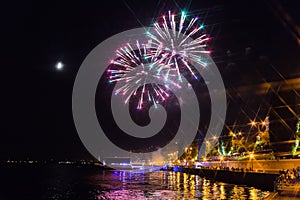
<point>226,168</point>
<point>289,176</point>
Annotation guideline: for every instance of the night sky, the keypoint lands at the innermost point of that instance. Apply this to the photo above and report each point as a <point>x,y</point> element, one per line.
<point>250,42</point>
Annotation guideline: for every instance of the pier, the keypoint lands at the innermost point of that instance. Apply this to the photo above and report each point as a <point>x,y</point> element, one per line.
<point>262,180</point>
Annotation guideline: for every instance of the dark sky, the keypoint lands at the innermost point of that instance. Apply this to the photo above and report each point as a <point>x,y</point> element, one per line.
<point>37,112</point>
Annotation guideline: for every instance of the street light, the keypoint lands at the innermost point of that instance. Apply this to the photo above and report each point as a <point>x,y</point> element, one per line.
<point>221,160</point>
<point>253,123</point>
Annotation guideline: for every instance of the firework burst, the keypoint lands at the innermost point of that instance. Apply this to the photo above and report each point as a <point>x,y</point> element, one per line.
<point>139,72</point>
<point>169,51</point>
<point>173,40</point>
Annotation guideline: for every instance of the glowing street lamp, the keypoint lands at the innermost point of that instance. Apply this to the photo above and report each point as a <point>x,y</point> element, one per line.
<point>251,155</point>
<point>253,123</point>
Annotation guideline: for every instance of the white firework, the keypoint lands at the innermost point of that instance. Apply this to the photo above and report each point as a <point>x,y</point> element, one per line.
<point>173,40</point>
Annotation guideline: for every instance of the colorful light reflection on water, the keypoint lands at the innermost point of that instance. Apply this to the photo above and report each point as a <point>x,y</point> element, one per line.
<point>169,185</point>
<point>71,182</point>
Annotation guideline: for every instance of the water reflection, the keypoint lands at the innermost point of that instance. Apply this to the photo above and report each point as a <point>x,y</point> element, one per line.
<point>168,185</point>
<point>73,183</point>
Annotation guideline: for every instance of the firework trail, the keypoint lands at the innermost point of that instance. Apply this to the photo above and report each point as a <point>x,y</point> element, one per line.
<point>174,41</point>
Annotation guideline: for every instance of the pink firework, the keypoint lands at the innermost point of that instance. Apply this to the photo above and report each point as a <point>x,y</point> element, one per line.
<point>138,73</point>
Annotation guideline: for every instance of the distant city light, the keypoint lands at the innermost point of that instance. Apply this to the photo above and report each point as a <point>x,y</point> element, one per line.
<point>59,66</point>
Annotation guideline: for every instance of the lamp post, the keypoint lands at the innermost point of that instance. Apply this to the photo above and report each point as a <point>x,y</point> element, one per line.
<point>221,160</point>
<point>251,158</point>
<point>263,138</point>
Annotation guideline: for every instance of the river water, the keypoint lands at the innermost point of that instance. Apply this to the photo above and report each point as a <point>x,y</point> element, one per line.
<point>71,183</point>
